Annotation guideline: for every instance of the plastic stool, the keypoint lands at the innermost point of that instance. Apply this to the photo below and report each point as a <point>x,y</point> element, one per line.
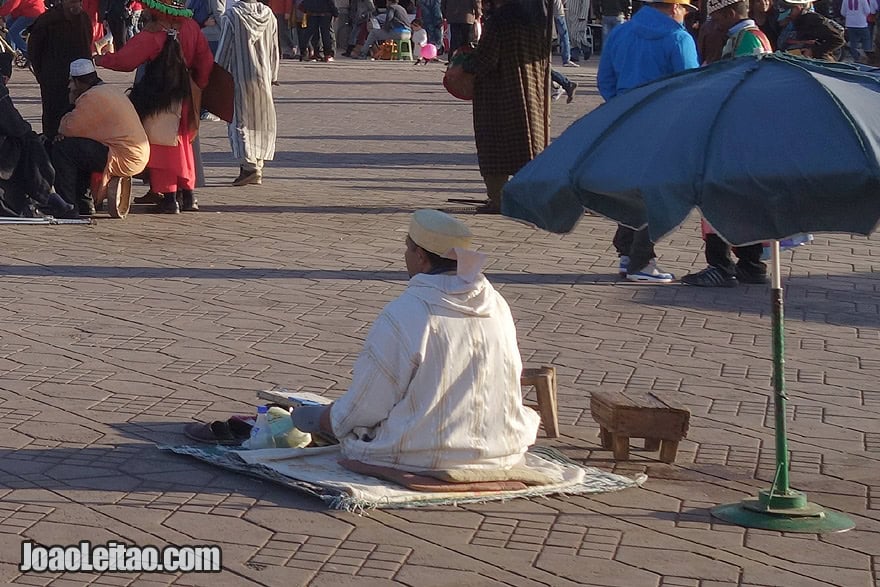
<point>402,50</point>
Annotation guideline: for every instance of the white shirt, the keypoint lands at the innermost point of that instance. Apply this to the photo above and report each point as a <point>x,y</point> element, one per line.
<point>856,12</point>
<point>437,384</point>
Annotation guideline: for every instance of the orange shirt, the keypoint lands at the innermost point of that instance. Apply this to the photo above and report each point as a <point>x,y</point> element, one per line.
<point>106,115</point>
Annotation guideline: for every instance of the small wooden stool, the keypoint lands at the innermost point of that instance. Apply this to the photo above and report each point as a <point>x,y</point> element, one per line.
<point>657,418</point>
<point>544,381</point>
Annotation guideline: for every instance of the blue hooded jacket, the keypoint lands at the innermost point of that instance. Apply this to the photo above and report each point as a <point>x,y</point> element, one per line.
<point>650,46</point>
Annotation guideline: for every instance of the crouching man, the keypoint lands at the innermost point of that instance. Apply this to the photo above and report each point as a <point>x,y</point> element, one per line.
<point>437,385</point>
<point>103,131</point>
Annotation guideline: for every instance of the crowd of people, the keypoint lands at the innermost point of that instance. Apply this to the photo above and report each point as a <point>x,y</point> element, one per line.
<point>93,129</point>
<point>176,48</point>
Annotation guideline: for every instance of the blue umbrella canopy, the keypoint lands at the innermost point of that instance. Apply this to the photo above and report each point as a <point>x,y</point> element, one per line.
<point>766,147</point>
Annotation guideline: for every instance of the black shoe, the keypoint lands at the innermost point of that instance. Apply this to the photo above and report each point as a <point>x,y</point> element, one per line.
<point>60,208</point>
<point>87,208</point>
<point>168,205</point>
<point>710,277</point>
<point>572,88</point>
<point>248,178</point>
<point>751,277</point>
<point>148,198</point>
<point>188,201</point>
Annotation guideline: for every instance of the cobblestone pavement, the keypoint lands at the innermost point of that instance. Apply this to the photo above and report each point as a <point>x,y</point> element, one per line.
<point>112,336</point>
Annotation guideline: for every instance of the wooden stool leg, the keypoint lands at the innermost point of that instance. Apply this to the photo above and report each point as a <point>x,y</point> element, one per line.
<point>668,450</point>
<point>605,438</point>
<point>545,390</point>
<point>652,444</point>
<point>621,448</point>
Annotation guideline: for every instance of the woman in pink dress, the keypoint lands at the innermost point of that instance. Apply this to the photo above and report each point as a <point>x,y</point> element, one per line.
<point>178,65</point>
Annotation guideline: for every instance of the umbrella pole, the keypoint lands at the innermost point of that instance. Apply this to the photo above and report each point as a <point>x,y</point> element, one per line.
<point>780,507</point>
<point>780,483</point>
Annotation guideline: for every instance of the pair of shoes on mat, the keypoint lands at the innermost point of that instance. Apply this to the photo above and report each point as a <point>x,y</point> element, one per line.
<point>231,432</point>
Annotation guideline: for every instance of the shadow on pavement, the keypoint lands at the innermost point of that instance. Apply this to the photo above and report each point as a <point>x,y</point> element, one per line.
<point>270,209</point>
<point>405,138</point>
<point>389,160</point>
<point>139,468</point>
<point>99,272</point>
<point>843,300</point>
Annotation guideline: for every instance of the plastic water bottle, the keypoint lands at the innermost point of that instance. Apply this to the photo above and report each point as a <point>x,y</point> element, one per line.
<point>261,433</point>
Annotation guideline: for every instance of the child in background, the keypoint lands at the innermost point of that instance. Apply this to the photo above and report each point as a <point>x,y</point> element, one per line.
<point>419,40</point>
<point>432,21</point>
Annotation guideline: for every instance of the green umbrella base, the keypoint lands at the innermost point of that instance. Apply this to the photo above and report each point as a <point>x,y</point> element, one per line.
<point>792,513</point>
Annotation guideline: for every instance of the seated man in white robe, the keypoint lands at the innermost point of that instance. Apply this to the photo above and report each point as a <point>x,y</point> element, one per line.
<point>437,386</point>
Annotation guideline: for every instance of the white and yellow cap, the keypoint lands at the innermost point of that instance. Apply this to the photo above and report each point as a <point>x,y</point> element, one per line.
<point>439,233</point>
<point>81,67</point>
<point>686,3</point>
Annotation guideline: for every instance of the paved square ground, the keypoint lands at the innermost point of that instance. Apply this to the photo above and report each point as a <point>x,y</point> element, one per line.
<point>113,336</point>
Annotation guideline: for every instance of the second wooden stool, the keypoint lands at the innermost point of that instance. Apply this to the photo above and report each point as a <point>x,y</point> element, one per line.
<point>657,418</point>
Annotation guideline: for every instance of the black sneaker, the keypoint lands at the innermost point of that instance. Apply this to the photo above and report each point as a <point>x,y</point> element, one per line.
<point>710,277</point>
<point>752,277</point>
<point>572,88</point>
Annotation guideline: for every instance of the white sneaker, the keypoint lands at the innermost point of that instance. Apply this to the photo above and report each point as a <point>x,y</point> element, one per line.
<point>650,274</point>
<point>558,92</point>
<point>570,64</point>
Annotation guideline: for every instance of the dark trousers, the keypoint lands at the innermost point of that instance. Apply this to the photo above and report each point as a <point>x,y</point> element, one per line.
<point>56,103</point>
<point>75,159</point>
<point>634,244</point>
<point>119,30</point>
<point>460,33</point>
<point>560,79</point>
<point>321,26</point>
<point>34,172</point>
<point>33,176</point>
<point>718,255</point>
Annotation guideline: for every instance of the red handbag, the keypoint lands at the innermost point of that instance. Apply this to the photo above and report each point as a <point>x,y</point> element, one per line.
<point>456,80</point>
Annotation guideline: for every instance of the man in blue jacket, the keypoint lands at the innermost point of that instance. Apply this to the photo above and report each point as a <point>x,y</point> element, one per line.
<point>651,45</point>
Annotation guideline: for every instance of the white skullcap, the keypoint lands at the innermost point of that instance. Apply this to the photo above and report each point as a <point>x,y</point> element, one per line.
<point>439,233</point>
<point>81,67</point>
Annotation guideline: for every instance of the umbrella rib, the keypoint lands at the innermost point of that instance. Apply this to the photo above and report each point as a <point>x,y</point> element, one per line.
<point>673,85</point>
<point>702,167</point>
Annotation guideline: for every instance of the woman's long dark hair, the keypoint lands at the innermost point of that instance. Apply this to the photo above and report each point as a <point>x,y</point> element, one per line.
<point>166,81</point>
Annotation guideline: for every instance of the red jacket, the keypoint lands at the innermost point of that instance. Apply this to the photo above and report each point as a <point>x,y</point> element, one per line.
<point>281,6</point>
<point>16,8</point>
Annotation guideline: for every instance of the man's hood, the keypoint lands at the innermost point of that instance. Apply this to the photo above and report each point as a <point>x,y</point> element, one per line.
<point>255,16</point>
<point>450,292</point>
<point>650,23</point>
